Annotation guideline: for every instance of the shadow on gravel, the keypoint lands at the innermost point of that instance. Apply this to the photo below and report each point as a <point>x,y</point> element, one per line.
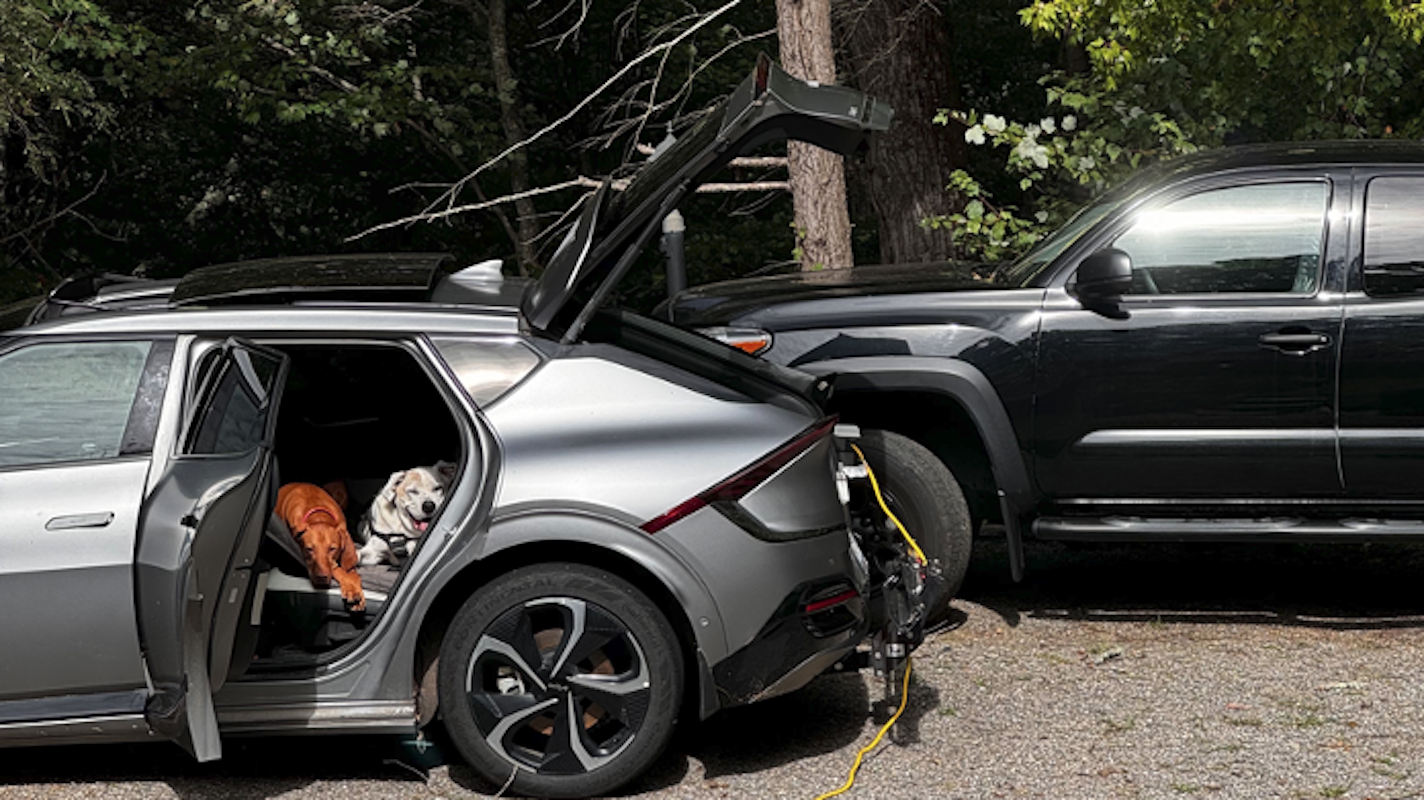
<point>823,717</point>
<point>1348,587</point>
<point>249,770</point>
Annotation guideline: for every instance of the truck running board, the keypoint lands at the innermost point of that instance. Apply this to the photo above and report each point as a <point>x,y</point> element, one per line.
<point>1269,529</point>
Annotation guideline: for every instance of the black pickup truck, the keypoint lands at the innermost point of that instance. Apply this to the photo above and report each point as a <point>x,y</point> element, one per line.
<point>1228,347</point>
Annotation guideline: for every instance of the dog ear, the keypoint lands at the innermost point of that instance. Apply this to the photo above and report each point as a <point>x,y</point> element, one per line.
<point>337,490</point>
<point>445,469</point>
<point>388,492</point>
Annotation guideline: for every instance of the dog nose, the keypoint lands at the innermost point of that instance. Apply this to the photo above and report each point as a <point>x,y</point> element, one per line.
<point>428,506</point>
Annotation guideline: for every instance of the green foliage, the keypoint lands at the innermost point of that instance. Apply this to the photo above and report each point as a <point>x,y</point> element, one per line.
<point>139,135</point>
<point>1171,76</point>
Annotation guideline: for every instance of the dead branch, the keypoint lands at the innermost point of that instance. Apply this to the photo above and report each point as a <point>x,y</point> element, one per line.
<point>449,197</point>
<point>559,39</point>
<point>741,162</point>
<point>25,232</point>
<point>755,186</point>
<point>337,81</point>
<point>639,111</point>
<point>374,12</point>
<point>581,181</point>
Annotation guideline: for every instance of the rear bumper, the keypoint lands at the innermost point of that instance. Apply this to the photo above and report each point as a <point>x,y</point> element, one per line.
<point>813,628</point>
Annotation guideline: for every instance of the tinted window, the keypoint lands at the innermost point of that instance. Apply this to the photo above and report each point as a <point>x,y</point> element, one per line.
<point>233,415</point>
<point>1394,236</point>
<point>67,402</point>
<point>1259,238</point>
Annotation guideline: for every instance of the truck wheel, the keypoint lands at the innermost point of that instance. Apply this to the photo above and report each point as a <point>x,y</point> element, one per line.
<point>926,498</point>
<point>562,679</point>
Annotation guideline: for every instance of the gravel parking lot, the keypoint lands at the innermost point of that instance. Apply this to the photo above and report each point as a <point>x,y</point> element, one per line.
<point>1135,671</point>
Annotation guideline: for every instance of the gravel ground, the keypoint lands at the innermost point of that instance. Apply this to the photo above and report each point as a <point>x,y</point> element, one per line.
<point>1134,671</point>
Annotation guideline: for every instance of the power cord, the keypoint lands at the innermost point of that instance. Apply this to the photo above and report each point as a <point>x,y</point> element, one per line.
<point>904,698</point>
<point>879,498</point>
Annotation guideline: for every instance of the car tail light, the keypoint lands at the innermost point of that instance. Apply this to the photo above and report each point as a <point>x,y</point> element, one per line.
<point>741,484</point>
<point>752,341</point>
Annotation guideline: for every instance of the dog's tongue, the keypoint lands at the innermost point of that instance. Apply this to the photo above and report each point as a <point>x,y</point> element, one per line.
<point>421,526</point>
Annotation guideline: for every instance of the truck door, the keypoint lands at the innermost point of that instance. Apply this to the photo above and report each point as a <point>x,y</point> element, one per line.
<point>1217,379</point>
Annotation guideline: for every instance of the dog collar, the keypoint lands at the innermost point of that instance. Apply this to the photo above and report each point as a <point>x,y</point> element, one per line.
<point>307,516</point>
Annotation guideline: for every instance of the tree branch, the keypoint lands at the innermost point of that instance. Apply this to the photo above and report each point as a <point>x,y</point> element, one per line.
<point>450,195</point>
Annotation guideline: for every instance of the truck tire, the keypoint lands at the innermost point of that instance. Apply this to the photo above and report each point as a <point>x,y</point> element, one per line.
<point>927,499</point>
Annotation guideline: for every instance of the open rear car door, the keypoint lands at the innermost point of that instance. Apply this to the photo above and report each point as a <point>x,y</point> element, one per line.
<point>199,536</point>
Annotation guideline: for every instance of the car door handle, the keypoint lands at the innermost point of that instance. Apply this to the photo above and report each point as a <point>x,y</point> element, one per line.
<point>72,521</point>
<point>1295,342</point>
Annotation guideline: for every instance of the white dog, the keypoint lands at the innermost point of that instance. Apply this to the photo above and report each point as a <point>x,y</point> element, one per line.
<point>401,513</point>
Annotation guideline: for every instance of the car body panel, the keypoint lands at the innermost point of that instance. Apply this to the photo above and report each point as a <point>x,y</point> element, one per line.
<point>88,565</point>
<point>623,463</point>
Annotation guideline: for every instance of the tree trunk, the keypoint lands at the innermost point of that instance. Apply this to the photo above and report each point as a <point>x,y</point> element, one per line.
<point>513,133</point>
<point>899,52</point>
<point>817,176</point>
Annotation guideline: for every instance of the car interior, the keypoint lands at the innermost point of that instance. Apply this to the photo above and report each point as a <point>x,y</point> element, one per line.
<point>353,414</point>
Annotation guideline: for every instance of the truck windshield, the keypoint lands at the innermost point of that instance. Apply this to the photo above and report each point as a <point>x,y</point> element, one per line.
<point>1023,271</point>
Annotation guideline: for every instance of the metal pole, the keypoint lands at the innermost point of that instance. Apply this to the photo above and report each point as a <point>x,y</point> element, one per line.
<point>674,234</point>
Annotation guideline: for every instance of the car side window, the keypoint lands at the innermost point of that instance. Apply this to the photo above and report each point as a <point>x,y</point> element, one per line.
<point>1394,236</point>
<point>68,401</point>
<point>233,415</point>
<point>1256,238</point>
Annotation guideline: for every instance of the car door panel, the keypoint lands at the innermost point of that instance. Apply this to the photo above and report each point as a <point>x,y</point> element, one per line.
<point>1184,402</point>
<point>76,435</point>
<point>195,548</point>
<point>65,584</point>
<point>1184,393</point>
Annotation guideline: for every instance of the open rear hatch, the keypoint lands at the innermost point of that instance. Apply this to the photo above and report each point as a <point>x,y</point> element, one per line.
<point>613,228</point>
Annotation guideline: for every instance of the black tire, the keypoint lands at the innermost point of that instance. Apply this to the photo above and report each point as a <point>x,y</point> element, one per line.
<point>926,498</point>
<point>552,650</point>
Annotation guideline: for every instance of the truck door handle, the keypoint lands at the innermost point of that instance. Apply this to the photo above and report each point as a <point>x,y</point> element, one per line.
<point>72,521</point>
<point>1295,342</point>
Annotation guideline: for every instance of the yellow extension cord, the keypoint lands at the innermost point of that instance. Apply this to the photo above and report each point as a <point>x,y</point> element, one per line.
<point>850,781</point>
<point>905,690</point>
<point>879,498</point>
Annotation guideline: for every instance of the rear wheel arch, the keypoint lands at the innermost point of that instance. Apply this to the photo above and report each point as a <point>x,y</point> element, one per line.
<point>436,620</point>
<point>938,421</point>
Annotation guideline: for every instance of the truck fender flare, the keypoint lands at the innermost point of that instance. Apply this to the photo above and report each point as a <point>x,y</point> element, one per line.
<point>964,383</point>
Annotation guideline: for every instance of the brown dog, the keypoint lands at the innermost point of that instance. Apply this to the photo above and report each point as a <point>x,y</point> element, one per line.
<point>316,521</point>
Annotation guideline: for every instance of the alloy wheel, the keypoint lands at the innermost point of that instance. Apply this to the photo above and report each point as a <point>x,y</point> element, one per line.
<point>558,686</point>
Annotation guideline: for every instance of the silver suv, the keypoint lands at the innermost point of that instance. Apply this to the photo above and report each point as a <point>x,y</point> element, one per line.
<point>641,521</point>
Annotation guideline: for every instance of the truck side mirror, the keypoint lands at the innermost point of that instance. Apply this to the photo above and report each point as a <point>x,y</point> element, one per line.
<point>1102,279</point>
<point>1104,274</point>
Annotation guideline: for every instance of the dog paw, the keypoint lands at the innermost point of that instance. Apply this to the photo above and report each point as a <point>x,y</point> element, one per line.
<point>354,602</point>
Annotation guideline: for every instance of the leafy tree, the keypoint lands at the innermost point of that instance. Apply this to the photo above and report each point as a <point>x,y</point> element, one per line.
<point>47,107</point>
<point>1169,77</point>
